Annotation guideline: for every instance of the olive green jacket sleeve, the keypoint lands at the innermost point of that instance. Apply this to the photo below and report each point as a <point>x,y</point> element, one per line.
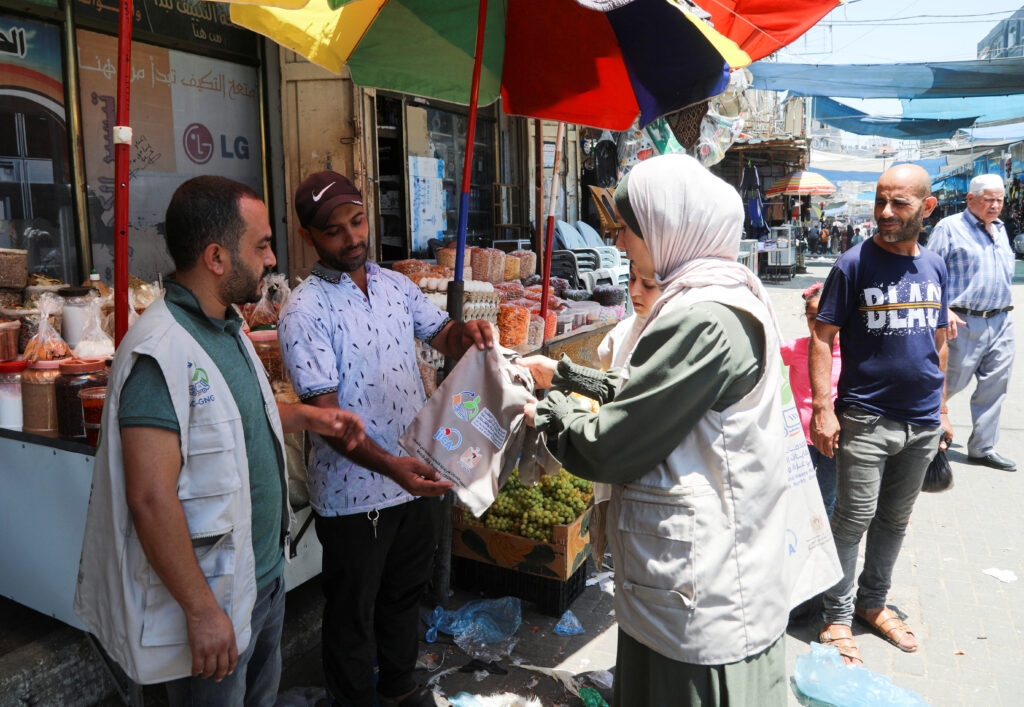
<point>688,361</point>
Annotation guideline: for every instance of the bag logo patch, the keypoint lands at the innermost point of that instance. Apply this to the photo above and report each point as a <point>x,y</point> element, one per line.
<point>466,405</point>
<point>449,437</point>
<point>470,458</point>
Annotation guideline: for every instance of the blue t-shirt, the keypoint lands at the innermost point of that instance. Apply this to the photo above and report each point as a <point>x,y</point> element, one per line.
<point>888,308</point>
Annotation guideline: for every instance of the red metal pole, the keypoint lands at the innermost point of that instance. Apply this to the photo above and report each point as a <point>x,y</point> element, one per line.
<point>122,158</point>
<point>549,240</point>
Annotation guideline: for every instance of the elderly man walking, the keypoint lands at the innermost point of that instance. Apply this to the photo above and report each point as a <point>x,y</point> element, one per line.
<point>980,262</point>
<point>887,297</point>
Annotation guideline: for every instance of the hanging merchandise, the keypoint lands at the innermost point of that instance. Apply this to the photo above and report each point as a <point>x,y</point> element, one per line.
<point>717,134</point>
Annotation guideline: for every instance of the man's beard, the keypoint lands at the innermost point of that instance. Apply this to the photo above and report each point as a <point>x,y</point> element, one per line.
<point>908,232</point>
<point>242,286</point>
<point>340,264</point>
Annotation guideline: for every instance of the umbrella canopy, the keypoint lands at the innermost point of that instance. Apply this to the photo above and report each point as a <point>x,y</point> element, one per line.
<point>801,183</point>
<point>552,59</point>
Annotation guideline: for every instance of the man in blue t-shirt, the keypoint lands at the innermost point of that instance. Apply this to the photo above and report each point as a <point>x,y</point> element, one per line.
<point>887,297</point>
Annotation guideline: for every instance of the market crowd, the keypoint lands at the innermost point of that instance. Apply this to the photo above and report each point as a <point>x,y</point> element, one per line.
<point>189,519</point>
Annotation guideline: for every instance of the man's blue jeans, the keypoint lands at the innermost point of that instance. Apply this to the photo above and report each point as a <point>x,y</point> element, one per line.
<point>880,464</point>
<point>825,469</point>
<point>258,674</point>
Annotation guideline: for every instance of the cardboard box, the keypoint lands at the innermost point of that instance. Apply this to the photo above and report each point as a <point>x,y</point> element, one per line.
<point>559,559</point>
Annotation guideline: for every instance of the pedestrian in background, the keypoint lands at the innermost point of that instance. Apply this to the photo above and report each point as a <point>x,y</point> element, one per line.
<point>795,354</point>
<point>887,299</point>
<point>181,577</point>
<point>348,336</point>
<point>975,246</point>
<point>693,443</point>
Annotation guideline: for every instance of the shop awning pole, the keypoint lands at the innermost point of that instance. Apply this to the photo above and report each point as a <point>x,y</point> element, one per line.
<point>455,293</point>
<point>549,239</point>
<point>122,157</point>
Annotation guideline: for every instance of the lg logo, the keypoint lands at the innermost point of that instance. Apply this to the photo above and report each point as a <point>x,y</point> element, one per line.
<point>199,147</point>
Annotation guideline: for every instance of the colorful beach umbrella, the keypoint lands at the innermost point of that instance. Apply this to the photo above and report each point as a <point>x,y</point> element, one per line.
<point>591,62</point>
<point>800,184</point>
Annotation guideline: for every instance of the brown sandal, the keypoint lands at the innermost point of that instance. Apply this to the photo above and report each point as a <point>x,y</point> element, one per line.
<point>840,636</point>
<point>887,624</point>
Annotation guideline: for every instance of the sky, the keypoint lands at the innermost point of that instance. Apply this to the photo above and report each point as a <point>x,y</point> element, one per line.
<point>937,30</point>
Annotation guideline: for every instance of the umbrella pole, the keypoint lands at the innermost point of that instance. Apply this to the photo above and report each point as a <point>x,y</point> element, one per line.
<point>457,286</point>
<point>550,234</point>
<point>122,156</point>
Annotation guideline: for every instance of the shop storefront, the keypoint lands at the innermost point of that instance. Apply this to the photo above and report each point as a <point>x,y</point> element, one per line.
<point>195,109</point>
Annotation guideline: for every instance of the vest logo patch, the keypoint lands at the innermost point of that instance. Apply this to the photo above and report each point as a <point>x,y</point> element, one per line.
<point>199,388</point>
<point>449,437</point>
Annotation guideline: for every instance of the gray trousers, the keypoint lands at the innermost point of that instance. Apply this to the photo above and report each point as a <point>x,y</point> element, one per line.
<point>983,350</point>
<point>880,465</point>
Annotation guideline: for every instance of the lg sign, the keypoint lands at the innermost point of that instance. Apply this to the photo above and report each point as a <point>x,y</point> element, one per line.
<point>199,146</point>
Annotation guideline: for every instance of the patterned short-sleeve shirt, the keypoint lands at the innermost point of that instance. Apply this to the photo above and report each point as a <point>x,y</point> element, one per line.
<point>335,339</point>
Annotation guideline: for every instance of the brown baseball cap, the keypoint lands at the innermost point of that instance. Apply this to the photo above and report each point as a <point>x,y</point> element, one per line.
<point>320,194</point>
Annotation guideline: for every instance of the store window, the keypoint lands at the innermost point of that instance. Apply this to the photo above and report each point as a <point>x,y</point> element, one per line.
<point>190,115</point>
<point>447,133</point>
<point>35,190</point>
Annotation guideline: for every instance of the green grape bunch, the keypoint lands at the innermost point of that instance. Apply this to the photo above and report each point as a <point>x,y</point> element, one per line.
<point>532,511</point>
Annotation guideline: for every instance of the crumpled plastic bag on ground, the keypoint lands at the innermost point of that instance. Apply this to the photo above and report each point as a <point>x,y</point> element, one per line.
<point>569,625</point>
<point>820,677</point>
<point>483,628</point>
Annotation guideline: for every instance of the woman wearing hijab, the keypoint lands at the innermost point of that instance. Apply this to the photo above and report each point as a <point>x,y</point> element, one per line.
<point>692,444</point>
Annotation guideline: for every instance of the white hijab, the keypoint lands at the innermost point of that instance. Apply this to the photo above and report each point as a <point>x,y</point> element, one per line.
<point>692,222</point>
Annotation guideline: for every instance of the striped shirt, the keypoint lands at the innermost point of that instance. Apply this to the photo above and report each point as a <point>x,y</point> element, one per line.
<point>980,266</point>
<point>335,339</point>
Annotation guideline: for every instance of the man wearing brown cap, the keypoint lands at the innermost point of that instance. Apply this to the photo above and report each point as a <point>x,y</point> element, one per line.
<point>347,337</point>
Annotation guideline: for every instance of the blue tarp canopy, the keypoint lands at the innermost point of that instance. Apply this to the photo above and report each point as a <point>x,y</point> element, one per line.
<point>852,120</point>
<point>988,109</point>
<point>948,79</point>
<point>1011,131</point>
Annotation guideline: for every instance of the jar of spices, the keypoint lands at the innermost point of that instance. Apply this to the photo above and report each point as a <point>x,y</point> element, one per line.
<point>76,374</point>
<point>10,394</point>
<point>39,398</point>
<point>75,311</point>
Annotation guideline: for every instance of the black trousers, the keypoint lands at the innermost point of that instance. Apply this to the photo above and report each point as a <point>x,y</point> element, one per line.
<point>372,583</point>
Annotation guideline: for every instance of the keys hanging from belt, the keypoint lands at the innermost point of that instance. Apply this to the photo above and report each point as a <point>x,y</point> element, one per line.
<point>373,515</point>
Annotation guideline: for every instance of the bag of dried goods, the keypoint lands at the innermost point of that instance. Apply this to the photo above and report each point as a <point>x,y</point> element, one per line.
<point>509,290</point>
<point>513,324</point>
<point>446,257</point>
<point>511,268</point>
<point>46,344</point>
<point>527,262</point>
<point>609,295</point>
<point>408,267</point>
<point>95,343</point>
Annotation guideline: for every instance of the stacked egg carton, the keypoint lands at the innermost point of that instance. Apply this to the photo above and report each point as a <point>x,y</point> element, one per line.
<point>480,299</point>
